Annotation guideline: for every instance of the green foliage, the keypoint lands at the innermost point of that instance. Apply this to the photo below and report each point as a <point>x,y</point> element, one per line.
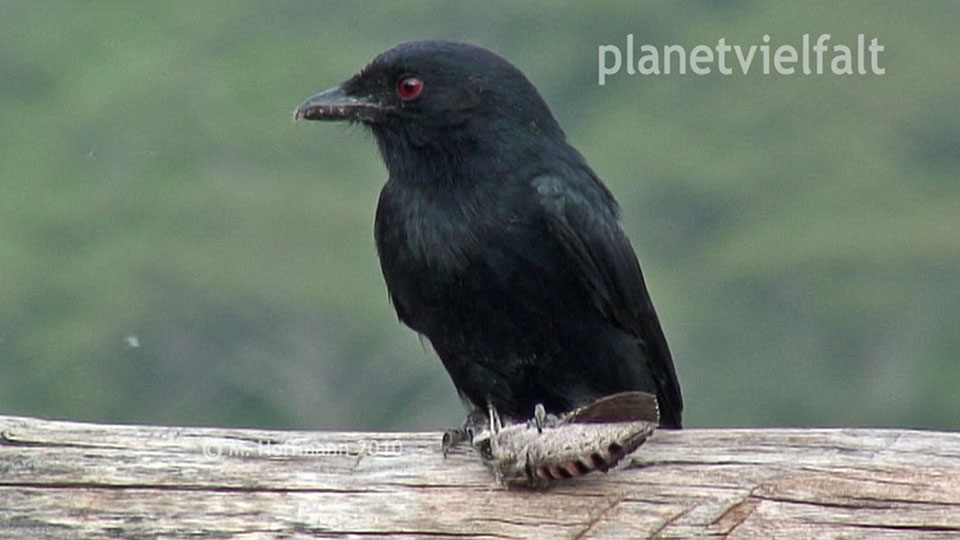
<point>175,249</point>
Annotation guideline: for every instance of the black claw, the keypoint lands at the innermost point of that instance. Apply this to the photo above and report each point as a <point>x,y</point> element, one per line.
<point>453,437</point>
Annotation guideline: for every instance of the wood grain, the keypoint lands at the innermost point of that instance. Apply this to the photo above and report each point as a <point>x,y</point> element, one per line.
<point>69,480</point>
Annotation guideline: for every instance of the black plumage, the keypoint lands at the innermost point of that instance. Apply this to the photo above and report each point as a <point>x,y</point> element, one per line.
<point>496,239</point>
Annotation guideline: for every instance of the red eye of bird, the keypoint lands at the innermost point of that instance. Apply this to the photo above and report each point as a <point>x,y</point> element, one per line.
<point>409,87</point>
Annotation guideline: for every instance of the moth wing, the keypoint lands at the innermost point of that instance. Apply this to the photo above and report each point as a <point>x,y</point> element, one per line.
<point>621,407</point>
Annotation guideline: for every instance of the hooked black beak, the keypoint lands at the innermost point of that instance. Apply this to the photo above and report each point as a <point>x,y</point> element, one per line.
<point>335,104</point>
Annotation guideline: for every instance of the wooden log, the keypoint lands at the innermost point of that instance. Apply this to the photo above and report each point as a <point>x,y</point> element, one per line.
<point>69,480</point>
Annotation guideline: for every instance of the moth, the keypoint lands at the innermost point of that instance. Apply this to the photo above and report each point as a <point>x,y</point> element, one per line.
<point>548,448</point>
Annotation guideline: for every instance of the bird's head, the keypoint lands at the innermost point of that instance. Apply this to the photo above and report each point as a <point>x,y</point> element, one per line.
<point>438,97</point>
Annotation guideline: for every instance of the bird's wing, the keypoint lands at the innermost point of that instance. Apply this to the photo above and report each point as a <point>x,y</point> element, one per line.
<point>582,217</point>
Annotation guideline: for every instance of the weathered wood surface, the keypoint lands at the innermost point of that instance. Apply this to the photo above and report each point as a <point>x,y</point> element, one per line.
<point>67,480</point>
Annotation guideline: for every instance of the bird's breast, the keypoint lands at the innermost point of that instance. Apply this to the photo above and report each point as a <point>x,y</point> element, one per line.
<point>445,259</point>
<point>438,234</point>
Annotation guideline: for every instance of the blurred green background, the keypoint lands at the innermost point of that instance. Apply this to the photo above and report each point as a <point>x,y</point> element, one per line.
<point>175,249</point>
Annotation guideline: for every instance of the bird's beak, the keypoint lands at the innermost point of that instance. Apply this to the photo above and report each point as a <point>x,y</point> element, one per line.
<point>335,104</point>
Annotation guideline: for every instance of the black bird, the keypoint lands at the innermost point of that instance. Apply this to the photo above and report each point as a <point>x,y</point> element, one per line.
<point>496,239</point>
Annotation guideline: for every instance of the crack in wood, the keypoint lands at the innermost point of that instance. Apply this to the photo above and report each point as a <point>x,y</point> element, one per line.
<point>856,502</point>
<point>683,463</point>
<point>895,527</point>
<point>668,522</point>
<point>9,439</point>
<point>599,517</point>
<point>517,521</point>
<point>326,533</point>
<point>737,514</point>
<point>161,487</point>
<point>867,475</point>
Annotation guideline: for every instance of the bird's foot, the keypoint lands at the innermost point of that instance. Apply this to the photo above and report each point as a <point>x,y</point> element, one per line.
<point>541,418</point>
<point>454,437</point>
<point>475,422</point>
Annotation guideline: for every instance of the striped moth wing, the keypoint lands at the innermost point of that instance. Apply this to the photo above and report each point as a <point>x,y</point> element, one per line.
<point>594,437</point>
